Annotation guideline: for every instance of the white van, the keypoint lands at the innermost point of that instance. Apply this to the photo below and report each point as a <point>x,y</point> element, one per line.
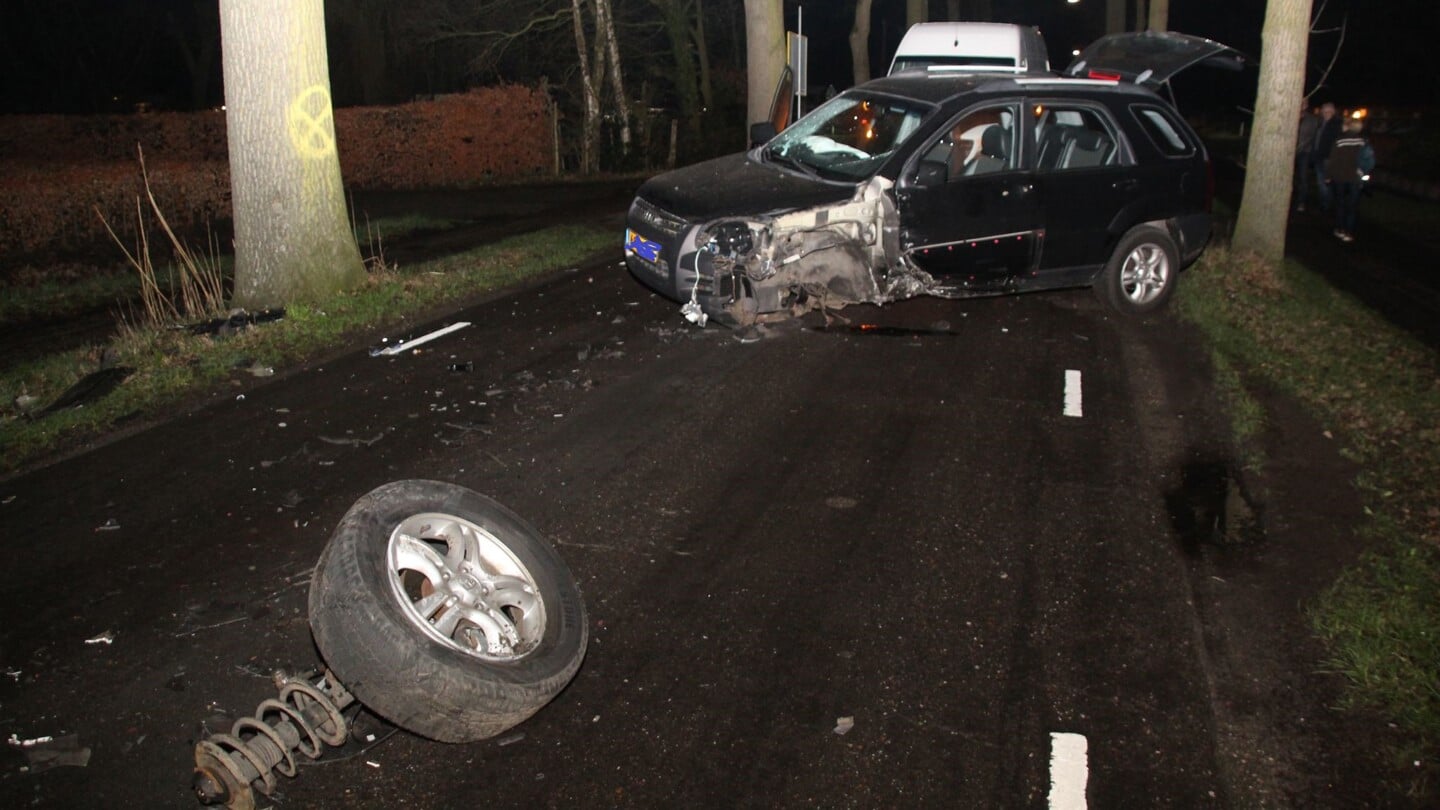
<point>972,46</point>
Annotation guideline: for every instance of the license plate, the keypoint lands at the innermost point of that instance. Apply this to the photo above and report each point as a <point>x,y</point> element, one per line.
<point>642,247</point>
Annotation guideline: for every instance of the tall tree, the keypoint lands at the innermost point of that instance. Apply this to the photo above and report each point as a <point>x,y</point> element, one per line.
<point>292,233</point>
<point>1159,15</point>
<point>764,55</point>
<point>1115,16</point>
<point>1265,202</point>
<point>860,42</point>
<point>592,72</point>
<point>916,11</point>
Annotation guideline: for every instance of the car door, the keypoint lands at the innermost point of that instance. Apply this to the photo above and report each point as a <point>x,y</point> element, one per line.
<point>1151,58</point>
<point>967,206</point>
<point>1084,180</point>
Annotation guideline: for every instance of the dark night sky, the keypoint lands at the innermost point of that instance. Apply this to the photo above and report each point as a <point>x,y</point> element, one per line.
<point>82,55</point>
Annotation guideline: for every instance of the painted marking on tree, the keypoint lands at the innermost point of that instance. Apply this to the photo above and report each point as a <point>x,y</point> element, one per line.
<point>1069,771</point>
<point>312,123</point>
<point>1073,400</point>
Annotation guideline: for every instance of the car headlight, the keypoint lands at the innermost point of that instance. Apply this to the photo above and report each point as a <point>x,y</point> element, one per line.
<point>733,240</point>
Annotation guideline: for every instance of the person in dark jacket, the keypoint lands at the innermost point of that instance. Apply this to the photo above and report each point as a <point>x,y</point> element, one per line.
<point>1325,136</point>
<point>1348,167</point>
<point>1304,155</point>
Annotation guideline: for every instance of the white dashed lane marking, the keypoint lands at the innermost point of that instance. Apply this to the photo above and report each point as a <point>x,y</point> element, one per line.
<point>1069,771</point>
<point>1073,400</point>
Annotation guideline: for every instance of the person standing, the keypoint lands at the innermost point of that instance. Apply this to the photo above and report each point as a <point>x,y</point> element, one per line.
<point>1304,155</point>
<point>1325,135</point>
<point>1349,166</point>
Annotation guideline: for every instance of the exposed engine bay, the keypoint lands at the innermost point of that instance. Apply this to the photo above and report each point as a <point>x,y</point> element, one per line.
<point>820,258</point>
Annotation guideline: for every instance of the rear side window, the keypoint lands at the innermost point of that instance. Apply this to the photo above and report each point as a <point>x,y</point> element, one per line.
<point>1072,137</point>
<point>1163,131</point>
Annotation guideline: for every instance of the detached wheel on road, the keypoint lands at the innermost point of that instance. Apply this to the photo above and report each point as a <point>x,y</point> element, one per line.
<point>1142,272</point>
<point>444,612</point>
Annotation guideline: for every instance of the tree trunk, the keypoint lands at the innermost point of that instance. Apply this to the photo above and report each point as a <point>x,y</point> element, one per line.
<point>916,11</point>
<point>675,15</point>
<point>702,56</point>
<point>1159,15</point>
<point>605,24</point>
<point>292,233</point>
<point>764,56</point>
<point>860,41</point>
<point>590,127</point>
<point>1269,164</point>
<point>1115,16</point>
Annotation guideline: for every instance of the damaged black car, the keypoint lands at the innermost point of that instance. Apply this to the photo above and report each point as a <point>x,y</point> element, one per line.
<point>944,183</point>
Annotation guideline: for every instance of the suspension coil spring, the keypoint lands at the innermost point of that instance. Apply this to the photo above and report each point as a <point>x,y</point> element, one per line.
<point>305,718</point>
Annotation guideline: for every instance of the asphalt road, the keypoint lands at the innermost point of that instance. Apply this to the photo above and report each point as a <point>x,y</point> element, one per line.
<point>900,526</point>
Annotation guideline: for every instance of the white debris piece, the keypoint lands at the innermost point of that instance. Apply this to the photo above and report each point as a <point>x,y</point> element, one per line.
<point>843,725</point>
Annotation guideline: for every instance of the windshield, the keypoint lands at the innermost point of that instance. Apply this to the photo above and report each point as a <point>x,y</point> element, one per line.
<point>847,137</point>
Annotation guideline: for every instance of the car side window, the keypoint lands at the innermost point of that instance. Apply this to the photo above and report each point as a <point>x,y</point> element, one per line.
<point>1162,130</point>
<point>983,141</point>
<point>1068,138</point>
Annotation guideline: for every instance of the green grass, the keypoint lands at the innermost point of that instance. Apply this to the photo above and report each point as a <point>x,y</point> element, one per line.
<point>1376,390</point>
<point>173,365</point>
<point>65,295</point>
<point>392,227</point>
<point>1402,215</point>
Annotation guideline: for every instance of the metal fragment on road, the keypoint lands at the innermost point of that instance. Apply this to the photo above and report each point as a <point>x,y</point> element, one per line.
<point>406,345</point>
<point>107,637</point>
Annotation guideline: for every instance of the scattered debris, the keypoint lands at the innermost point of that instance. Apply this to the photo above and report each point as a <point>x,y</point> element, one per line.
<point>108,526</point>
<point>9,499</point>
<point>257,370</point>
<point>48,754</point>
<point>843,725</point>
<point>510,739</point>
<point>107,637</point>
<point>16,742</point>
<point>464,367</point>
<point>89,388</point>
<point>841,502</point>
<point>406,345</point>
<point>354,442</point>
<point>237,320</point>
<point>26,403</point>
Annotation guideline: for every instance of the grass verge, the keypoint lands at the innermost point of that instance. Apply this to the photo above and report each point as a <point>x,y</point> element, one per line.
<point>1376,391</point>
<point>170,365</point>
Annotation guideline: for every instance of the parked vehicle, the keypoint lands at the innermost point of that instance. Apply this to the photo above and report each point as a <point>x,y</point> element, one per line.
<point>976,46</point>
<point>933,183</point>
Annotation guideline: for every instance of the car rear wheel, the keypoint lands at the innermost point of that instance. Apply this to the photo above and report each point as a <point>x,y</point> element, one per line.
<point>444,612</point>
<point>1140,276</point>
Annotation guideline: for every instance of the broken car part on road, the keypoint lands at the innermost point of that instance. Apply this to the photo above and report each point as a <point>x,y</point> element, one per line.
<point>437,608</point>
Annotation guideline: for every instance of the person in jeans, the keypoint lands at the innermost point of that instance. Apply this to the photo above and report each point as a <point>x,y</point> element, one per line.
<point>1348,167</point>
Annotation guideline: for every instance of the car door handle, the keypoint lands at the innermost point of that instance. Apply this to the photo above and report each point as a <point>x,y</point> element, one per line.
<point>1020,189</point>
<point>1128,184</point>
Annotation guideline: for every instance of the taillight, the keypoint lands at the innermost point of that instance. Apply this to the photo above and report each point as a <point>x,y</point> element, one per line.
<point>1107,75</point>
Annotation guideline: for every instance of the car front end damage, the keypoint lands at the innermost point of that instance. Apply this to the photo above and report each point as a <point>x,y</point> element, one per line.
<point>742,270</point>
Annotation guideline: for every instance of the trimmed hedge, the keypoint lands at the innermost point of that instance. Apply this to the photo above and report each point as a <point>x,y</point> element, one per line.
<point>56,171</point>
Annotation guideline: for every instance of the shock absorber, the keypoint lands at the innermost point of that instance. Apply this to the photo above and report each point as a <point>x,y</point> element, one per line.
<point>305,718</point>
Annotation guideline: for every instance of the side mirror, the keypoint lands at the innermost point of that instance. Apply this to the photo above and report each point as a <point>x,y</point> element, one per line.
<point>931,173</point>
<point>761,132</point>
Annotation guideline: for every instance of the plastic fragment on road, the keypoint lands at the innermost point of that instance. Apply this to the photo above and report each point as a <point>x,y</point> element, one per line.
<point>107,637</point>
<point>44,753</point>
<point>843,725</point>
<point>406,345</point>
<point>108,526</point>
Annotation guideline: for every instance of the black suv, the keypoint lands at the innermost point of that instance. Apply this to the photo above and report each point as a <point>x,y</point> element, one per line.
<point>941,183</point>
